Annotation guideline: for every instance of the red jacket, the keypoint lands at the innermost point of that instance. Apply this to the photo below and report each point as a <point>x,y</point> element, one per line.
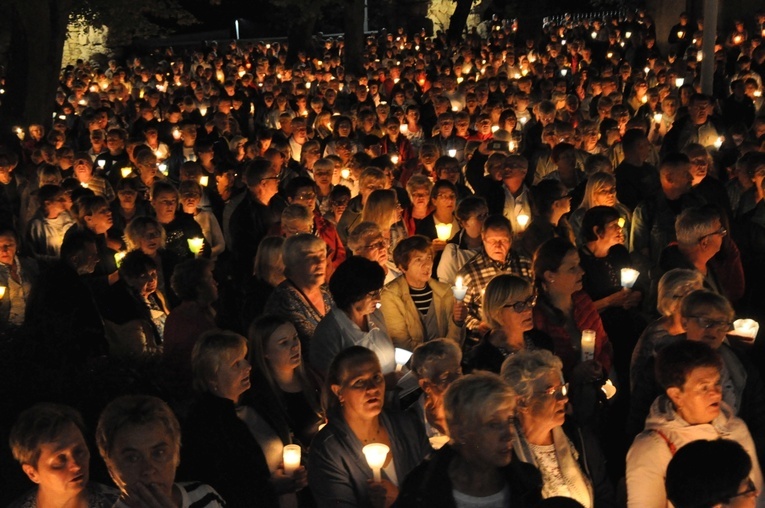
<point>586,316</point>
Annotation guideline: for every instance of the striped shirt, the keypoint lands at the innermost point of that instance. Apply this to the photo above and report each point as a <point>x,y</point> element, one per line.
<point>422,298</point>
<point>193,495</point>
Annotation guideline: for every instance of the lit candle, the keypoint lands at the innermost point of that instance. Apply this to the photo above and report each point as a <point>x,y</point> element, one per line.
<point>522,220</point>
<point>460,80</point>
<point>394,159</point>
<point>125,172</point>
<point>204,180</point>
<point>345,173</point>
<point>455,108</point>
<point>594,34</point>
<point>308,85</point>
<point>438,442</point>
<point>737,39</point>
<point>629,276</point>
<point>680,34</point>
<point>647,70</point>
<point>443,231</point>
<point>163,168</point>
<point>118,257</point>
<point>657,117</point>
<point>403,128</point>
<point>746,328</point>
<point>621,222</point>
<point>644,99</point>
<point>511,146</point>
<point>459,290</point>
<point>609,389</point>
<point>84,185</point>
<point>523,120</point>
<point>291,457</point>
<point>563,72</point>
<point>679,82</point>
<point>699,56</point>
<point>101,163</point>
<point>452,152</point>
<point>202,110</point>
<point>719,142</point>
<point>588,345</point>
<point>494,128</point>
<point>401,356</point>
<point>19,133</point>
<point>2,291</point>
<point>758,93</point>
<point>195,245</point>
<point>376,453</point>
<point>628,34</point>
<point>176,133</point>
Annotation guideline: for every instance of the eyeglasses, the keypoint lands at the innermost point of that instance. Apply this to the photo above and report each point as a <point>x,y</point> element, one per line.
<point>306,195</point>
<point>707,324</point>
<point>751,490</point>
<point>382,244</point>
<point>523,306</point>
<point>721,232</point>
<point>559,392</point>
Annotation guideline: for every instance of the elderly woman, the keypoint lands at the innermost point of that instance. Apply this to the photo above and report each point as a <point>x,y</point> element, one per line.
<point>569,458</point>
<point>354,395</point>
<point>416,307</point>
<point>147,235</point>
<point>476,468</point>
<point>47,440</point>
<point>508,303</point>
<point>356,319</point>
<point>290,393</point>
<point>268,273</point>
<point>233,448</point>
<point>303,298</point>
<point>600,191</point>
<point>135,312</point>
<point>366,240</point>
<point>17,274</point>
<point>139,438</point>
<point>471,213</point>
<point>418,187</point>
<point>691,408</point>
<point>197,290</point>
<point>435,364</point>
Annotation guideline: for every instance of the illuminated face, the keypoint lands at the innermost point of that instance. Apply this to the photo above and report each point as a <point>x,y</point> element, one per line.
<point>420,268</point>
<point>233,376</point>
<point>63,470</point>
<point>362,389</point>
<point>283,348</point>
<point>491,439</point>
<point>8,248</point>
<point>698,401</point>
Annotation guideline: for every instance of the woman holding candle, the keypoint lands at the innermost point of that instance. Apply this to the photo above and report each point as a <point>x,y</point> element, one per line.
<point>147,235</point>
<point>416,307</point>
<point>289,392</point>
<point>356,320</point>
<point>508,303</point>
<point>338,470</point>
<point>191,196</point>
<point>230,446</point>
<point>477,467</point>
<point>179,226</point>
<point>546,439</point>
<point>441,225</point>
<point>471,213</point>
<point>17,275</point>
<point>600,190</point>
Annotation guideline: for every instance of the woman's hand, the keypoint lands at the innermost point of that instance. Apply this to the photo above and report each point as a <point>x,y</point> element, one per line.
<point>459,312</point>
<point>438,245</point>
<point>382,494</point>
<point>141,495</point>
<point>587,372</point>
<point>287,484</point>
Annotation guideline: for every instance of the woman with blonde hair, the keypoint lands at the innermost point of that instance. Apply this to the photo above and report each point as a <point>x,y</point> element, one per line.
<point>382,208</point>
<point>600,191</point>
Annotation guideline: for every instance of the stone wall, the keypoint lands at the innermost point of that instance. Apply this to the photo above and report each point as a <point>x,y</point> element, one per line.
<point>83,41</point>
<point>440,11</point>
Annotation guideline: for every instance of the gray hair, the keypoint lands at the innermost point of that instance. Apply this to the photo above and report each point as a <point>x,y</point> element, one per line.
<point>294,248</point>
<point>702,301</point>
<point>471,399</point>
<point>522,369</point>
<point>673,286</point>
<point>501,289</point>
<point>693,223</point>
<point>428,354</point>
<point>362,234</point>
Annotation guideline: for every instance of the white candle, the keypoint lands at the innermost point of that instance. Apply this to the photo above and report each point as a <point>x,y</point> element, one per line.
<point>291,457</point>
<point>401,356</point>
<point>452,152</point>
<point>459,290</point>
<point>2,291</point>
<point>746,328</point>
<point>523,120</point>
<point>522,220</point>
<point>588,345</point>
<point>394,159</point>
<point>719,142</point>
<point>345,173</point>
<point>679,82</point>
<point>163,168</point>
<point>118,257</point>
<point>437,442</point>
<point>494,128</point>
<point>609,389</point>
<point>629,276</point>
<point>657,117</point>
<point>376,453</point>
<point>204,180</point>
<point>202,110</point>
<point>125,172</point>
<point>176,133</point>
<point>443,231</point>
<point>101,163</point>
<point>403,128</point>
<point>196,244</point>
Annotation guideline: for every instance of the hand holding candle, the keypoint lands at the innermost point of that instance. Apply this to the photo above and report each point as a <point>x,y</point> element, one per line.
<point>588,345</point>
<point>376,453</point>
<point>523,221</point>
<point>443,231</point>
<point>291,458</point>
<point>195,245</point>
<point>747,328</point>
<point>401,356</point>
<point>629,276</point>
<point>459,290</point>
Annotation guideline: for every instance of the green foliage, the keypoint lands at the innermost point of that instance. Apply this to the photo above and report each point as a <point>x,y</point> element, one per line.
<point>131,20</point>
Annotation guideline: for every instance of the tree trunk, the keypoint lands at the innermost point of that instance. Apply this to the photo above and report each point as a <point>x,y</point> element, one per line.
<point>458,21</point>
<point>37,43</point>
<point>353,19</point>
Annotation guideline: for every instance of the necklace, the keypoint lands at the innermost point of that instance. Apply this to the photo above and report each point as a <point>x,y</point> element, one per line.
<point>372,438</point>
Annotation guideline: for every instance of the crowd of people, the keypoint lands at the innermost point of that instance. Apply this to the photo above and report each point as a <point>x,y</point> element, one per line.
<point>564,232</point>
